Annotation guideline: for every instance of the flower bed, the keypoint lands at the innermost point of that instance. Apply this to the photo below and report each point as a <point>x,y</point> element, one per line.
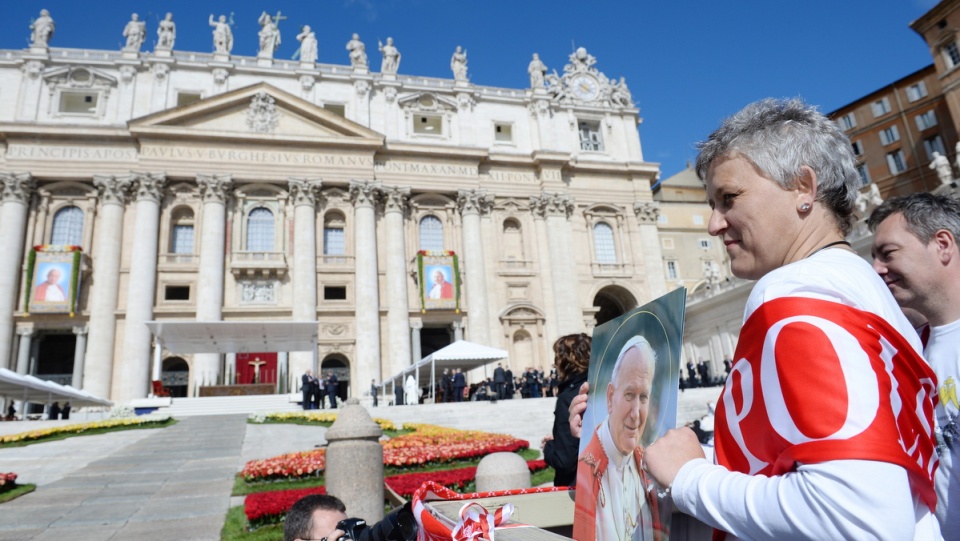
<point>8,481</point>
<point>310,416</point>
<point>266,508</point>
<point>143,422</point>
<point>270,507</point>
<point>428,444</point>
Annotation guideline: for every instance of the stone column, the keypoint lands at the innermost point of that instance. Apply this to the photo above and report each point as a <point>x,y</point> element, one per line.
<point>647,214</point>
<point>283,371</point>
<point>23,350</point>
<point>472,203</point>
<point>415,327</point>
<point>398,303</point>
<point>556,210</point>
<point>215,190</point>
<point>364,196</point>
<point>303,195</point>
<point>157,373</point>
<point>97,377</point>
<point>17,189</point>
<point>134,370</point>
<point>79,354</point>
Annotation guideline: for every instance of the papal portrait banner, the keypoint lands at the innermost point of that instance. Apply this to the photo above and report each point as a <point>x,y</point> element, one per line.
<point>53,279</point>
<point>438,274</point>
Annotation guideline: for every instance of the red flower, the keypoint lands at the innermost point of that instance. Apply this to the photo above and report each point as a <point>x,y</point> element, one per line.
<point>264,508</point>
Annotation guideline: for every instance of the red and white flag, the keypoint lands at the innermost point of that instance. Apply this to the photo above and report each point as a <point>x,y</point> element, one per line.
<point>816,381</point>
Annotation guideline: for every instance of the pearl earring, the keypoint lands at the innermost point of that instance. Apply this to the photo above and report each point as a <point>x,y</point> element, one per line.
<point>805,207</point>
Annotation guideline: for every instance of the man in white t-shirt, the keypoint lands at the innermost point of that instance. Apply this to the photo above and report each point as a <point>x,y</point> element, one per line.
<point>916,253</point>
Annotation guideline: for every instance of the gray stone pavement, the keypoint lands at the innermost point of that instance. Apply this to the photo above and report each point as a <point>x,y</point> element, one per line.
<point>172,484</point>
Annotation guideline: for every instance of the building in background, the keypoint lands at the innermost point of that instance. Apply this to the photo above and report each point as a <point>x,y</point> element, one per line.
<point>212,188</point>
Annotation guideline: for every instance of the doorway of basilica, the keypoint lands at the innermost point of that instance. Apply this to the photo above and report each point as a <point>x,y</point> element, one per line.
<point>434,338</point>
<point>613,301</point>
<point>175,375</point>
<point>340,366</point>
<point>54,356</point>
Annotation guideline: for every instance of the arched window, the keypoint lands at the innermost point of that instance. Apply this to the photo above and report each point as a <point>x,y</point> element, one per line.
<point>181,232</point>
<point>604,250</point>
<point>260,226</point>
<point>67,226</point>
<point>334,240</point>
<point>431,233</point>
<point>512,240</point>
<point>523,347</point>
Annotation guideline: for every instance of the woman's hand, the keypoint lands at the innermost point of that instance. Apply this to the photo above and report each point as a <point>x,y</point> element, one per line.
<point>543,442</point>
<point>577,406</point>
<point>664,457</point>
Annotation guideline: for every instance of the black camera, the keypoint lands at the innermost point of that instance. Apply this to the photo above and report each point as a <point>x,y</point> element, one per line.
<point>398,525</point>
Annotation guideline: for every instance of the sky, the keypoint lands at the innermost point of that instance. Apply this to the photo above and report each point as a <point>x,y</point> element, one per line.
<point>688,64</point>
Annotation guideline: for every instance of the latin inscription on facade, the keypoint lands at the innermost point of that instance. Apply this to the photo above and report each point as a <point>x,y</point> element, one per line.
<point>436,169</point>
<point>72,153</point>
<point>512,176</point>
<point>254,156</point>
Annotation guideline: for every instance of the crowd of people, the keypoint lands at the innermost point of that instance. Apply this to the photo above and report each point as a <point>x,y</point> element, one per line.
<point>318,391</point>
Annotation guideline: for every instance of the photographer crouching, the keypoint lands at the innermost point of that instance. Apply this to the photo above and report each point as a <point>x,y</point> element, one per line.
<point>321,517</point>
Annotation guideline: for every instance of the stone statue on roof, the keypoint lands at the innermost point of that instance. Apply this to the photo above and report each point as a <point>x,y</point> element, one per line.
<point>358,52</point>
<point>135,32</point>
<point>166,32</point>
<point>222,35</point>
<point>538,71</point>
<point>41,29</point>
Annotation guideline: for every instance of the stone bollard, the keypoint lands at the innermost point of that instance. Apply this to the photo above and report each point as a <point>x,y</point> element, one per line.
<point>502,471</point>
<point>354,469</point>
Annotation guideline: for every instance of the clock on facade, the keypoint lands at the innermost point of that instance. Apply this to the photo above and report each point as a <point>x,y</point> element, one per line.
<point>585,87</point>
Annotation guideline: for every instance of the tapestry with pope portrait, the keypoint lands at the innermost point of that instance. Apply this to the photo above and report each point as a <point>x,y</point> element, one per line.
<point>53,279</point>
<point>634,381</point>
<point>438,274</point>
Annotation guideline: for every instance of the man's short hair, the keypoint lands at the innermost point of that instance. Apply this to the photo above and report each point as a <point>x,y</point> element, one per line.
<point>640,343</point>
<point>299,521</point>
<point>925,214</point>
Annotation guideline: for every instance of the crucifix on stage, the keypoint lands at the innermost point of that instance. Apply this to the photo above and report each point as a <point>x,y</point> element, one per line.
<point>256,368</point>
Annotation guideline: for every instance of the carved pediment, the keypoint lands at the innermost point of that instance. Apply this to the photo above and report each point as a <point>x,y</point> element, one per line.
<point>427,102</point>
<point>79,77</point>
<point>258,112</point>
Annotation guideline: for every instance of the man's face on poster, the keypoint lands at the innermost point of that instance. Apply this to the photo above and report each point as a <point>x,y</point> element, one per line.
<point>53,276</point>
<point>628,397</point>
<point>438,277</point>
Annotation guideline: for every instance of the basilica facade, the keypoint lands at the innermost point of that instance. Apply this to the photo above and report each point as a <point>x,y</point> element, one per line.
<point>174,186</point>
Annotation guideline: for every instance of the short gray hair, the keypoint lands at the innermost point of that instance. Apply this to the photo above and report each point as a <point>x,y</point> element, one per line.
<point>779,137</point>
<point>925,214</point>
<point>637,342</point>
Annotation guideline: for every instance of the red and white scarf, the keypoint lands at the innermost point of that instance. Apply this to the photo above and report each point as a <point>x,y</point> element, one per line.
<point>816,381</point>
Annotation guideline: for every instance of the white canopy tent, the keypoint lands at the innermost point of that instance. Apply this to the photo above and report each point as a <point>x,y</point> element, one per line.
<point>232,337</point>
<point>460,354</point>
<point>31,389</point>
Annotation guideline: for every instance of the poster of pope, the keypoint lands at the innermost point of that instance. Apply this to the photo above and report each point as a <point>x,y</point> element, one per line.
<point>51,290</point>
<point>634,380</point>
<point>439,280</point>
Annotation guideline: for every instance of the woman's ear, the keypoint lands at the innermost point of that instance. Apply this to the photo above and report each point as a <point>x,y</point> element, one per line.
<point>806,187</point>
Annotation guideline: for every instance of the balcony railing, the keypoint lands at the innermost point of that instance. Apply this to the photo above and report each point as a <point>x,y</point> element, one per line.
<point>607,269</point>
<point>178,259</point>
<point>265,264</point>
<point>511,266</point>
<point>335,260</point>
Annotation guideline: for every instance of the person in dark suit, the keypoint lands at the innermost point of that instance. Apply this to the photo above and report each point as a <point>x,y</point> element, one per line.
<point>510,386</point>
<point>306,388</point>
<point>333,386</point>
<point>499,380</point>
<point>459,382</point>
<point>398,393</point>
<point>318,392</point>
<point>374,391</point>
<point>65,412</point>
<point>54,413</point>
<point>446,385</point>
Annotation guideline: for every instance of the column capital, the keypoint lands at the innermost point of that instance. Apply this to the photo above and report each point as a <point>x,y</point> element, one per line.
<point>416,324</point>
<point>552,204</point>
<point>395,198</point>
<point>647,211</point>
<point>17,187</point>
<point>304,191</point>
<point>25,331</point>
<point>149,186</point>
<point>80,330</point>
<point>365,193</point>
<point>474,201</point>
<point>113,189</point>
<point>214,188</point>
